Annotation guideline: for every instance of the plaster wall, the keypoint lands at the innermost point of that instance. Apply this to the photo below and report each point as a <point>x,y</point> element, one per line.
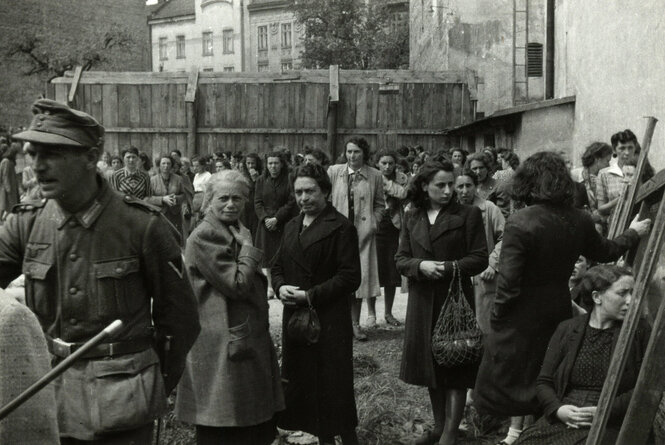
<point>609,54</point>
<point>214,17</point>
<point>475,35</point>
<point>548,129</point>
<point>275,55</point>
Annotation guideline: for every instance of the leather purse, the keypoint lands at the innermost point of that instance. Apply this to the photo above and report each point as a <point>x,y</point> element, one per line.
<point>304,326</point>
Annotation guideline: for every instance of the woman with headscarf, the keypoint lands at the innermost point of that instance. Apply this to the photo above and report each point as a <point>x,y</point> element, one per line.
<point>231,387</point>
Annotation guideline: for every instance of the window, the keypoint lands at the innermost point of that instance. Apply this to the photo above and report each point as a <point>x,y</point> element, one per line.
<point>534,60</point>
<point>229,69</point>
<point>263,66</point>
<point>162,48</point>
<point>287,65</point>
<point>227,41</point>
<point>263,37</point>
<point>208,70</point>
<point>286,35</point>
<point>207,43</point>
<point>180,47</point>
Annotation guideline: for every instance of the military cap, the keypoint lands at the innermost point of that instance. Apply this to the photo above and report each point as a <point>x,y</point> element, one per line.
<point>55,123</point>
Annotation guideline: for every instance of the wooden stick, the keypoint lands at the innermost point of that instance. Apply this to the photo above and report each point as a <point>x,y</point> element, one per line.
<point>627,333</point>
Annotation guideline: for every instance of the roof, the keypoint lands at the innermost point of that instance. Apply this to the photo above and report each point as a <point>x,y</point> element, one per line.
<point>174,8</point>
<point>258,5</point>
<point>507,114</point>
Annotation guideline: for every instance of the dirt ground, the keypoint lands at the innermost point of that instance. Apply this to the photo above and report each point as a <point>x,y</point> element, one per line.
<point>389,411</point>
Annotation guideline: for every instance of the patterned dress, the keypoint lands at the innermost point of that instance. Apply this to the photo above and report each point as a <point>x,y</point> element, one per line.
<point>135,184</point>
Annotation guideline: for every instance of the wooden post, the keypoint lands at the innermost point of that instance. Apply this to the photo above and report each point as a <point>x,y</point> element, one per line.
<point>190,105</point>
<point>75,83</point>
<point>333,101</point>
<point>628,327</point>
<point>625,208</point>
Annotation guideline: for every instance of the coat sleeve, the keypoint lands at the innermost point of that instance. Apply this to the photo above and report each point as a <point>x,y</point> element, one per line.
<point>498,223</point>
<point>406,264</point>
<point>174,308</point>
<point>476,258</point>
<point>151,197</point>
<point>232,277</point>
<point>600,249</point>
<point>277,270</point>
<point>347,276</point>
<point>285,212</point>
<point>601,189</point>
<point>515,245</point>
<point>259,207</point>
<point>554,356</point>
<point>379,204</point>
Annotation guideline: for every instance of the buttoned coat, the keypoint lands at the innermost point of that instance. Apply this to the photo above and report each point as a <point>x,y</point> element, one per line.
<point>231,377</point>
<point>318,378</point>
<point>456,235</point>
<point>540,246</point>
<point>23,360</point>
<point>368,207</point>
<point>273,197</point>
<point>177,187</point>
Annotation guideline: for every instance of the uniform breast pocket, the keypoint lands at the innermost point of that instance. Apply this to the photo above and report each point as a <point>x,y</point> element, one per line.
<point>119,287</point>
<point>38,287</point>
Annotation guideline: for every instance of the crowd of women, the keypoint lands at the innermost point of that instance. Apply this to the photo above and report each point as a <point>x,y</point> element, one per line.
<point>324,238</point>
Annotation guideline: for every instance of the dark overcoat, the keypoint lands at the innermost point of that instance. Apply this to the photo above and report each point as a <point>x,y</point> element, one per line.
<point>318,379</point>
<point>273,197</point>
<point>457,235</point>
<point>540,246</point>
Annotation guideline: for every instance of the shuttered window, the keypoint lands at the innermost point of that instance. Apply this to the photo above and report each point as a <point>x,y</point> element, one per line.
<point>534,60</point>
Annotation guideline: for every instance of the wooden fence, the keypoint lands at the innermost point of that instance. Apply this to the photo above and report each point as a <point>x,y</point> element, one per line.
<point>207,112</point>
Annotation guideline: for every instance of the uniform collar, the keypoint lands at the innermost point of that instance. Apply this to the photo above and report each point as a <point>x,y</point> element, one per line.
<point>87,216</point>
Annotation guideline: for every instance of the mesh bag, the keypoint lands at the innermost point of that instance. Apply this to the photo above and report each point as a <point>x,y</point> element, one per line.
<point>457,339</point>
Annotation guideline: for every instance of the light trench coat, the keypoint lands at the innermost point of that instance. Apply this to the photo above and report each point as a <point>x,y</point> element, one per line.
<point>231,376</point>
<point>368,205</point>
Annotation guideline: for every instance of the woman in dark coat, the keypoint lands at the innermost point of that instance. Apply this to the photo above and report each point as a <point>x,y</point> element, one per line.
<point>578,358</point>
<point>436,232</point>
<point>540,246</point>
<point>319,261</point>
<point>274,205</point>
<point>252,170</point>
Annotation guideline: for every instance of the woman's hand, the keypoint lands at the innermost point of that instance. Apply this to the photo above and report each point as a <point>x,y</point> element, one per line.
<point>575,417</point>
<point>432,269</point>
<point>641,227</point>
<point>244,238</point>
<point>169,200</point>
<point>270,223</point>
<point>292,295</point>
<point>488,274</point>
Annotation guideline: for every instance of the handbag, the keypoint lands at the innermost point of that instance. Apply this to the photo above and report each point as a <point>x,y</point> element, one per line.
<point>304,326</point>
<point>457,339</point>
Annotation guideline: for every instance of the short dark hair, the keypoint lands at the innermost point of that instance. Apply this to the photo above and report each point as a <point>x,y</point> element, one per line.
<point>623,137</point>
<point>277,153</point>
<point>595,150</point>
<point>318,154</point>
<point>542,178</point>
<point>147,163</point>
<point>512,159</point>
<point>461,150</point>
<point>479,157</point>
<point>599,278</point>
<point>416,194</point>
<point>468,172</point>
<point>169,157</point>
<point>317,173</point>
<point>130,149</point>
<point>176,152</point>
<point>114,157</point>
<point>362,144</point>
<point>257,159</point>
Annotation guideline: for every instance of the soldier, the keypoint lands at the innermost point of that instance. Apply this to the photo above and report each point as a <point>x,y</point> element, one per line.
<point>91,256</point>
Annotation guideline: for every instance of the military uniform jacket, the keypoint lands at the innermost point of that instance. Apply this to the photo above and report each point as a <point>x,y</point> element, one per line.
<point>109,261</point>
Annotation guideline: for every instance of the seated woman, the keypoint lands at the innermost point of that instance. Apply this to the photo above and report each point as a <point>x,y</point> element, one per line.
<point>318,262</point>
<point>231,385</point>
<point>577,360</point>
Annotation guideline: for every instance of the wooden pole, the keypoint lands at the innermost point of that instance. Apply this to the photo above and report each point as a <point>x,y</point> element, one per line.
<point>75,84</point>
<point>333,101</point>
<point>190,105</point>
<point>628,327</point>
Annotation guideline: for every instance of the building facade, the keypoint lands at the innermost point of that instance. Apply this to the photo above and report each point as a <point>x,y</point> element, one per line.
<point>224,36</point>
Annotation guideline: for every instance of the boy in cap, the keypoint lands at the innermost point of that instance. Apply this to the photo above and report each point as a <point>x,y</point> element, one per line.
<point>91,256</point>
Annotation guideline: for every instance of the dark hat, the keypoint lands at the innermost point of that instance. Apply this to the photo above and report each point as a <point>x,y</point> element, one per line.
<point>57,124</point>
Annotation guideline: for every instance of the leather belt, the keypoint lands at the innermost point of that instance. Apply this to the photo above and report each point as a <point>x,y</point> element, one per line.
<point>63,349</point>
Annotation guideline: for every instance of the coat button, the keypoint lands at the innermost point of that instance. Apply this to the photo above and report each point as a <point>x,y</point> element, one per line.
<point>119,270</point>
<point>73,290</point>
<point>73,321</point>
<point>73,257</point>
<point>363,218</point>
<point>72,223</point>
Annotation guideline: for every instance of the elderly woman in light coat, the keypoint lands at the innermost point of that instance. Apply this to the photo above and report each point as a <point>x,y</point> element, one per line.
<point>357,193</point>
<point>231,386</point>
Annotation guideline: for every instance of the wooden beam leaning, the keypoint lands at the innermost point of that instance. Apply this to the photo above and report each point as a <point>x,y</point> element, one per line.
<point>625,208</point>
<point>333,101</point>
<point>627,333</point>
<point>190,105</point>
<point>74,85</point>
